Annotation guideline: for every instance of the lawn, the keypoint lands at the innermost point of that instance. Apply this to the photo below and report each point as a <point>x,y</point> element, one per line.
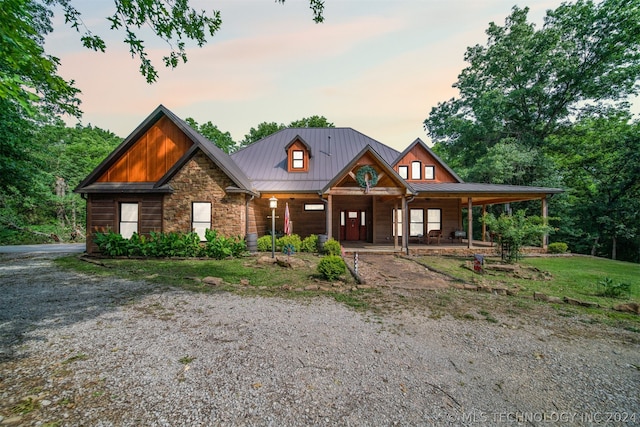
<point>575,277</point>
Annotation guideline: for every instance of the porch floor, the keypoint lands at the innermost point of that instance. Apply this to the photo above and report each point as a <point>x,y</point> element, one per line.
<point>446,247</point>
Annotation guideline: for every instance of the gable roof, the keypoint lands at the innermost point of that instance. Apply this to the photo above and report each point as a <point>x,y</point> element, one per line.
<point>387,168</point>
<point>265,161</point>
<point>424,146</point>
<point>213,152</point>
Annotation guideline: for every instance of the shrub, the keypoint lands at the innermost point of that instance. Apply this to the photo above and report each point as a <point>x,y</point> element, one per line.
<point>264,244</point>
<point>332,247</point>
<point>610,290</point>
<point>331,267</point>
<point>111,244</point>
<point>220,247</point>
<point>293,240</point>
<point>557,248</point>
<point>310,244</point>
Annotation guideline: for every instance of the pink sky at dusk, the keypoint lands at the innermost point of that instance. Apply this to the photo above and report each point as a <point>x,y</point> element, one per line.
<point>378,66</point>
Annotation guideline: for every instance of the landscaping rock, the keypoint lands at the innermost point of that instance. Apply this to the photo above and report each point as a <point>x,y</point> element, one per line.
<point>629,307</point>
<point>213,281</point>
<point>573,301</point>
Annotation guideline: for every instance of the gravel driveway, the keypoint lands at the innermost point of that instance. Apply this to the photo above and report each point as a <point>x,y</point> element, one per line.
<point>78,350</point>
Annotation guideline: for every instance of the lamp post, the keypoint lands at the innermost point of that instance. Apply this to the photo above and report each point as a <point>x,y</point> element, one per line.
<point>273,204</point>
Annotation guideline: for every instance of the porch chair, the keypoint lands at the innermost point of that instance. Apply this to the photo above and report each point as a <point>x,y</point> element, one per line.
<point>434,234</point>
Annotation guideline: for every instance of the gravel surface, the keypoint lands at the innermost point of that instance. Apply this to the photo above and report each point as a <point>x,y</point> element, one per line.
<point>78,350</point>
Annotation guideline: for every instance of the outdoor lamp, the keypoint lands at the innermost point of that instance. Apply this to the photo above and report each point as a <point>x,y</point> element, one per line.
<point>273,204</point>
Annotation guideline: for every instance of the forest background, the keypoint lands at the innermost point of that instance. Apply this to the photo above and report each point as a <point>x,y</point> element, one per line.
<point>541,106</point>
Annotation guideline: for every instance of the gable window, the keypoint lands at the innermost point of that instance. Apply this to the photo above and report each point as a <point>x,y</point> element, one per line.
<point>201,218</point>
<point>403,171</point>
<point>416,222</point>
<point>416,170</point>
<point>297,159</point>
<point>128,219</point>
<point>434,219</point>
<point>430,172</point>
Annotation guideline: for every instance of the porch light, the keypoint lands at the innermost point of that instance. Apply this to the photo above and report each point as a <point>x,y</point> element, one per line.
<point>273,204</point>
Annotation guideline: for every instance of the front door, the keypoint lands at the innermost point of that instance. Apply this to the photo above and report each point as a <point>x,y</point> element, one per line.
<point>352,225</point>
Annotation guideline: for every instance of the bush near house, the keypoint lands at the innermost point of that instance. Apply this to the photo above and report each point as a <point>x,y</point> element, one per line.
<point>332,267</point>
<point>162,245</point>
<point>332,247</point>
<point>557,248</point>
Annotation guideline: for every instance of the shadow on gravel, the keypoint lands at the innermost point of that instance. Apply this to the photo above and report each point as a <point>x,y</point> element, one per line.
<point>36,294</point>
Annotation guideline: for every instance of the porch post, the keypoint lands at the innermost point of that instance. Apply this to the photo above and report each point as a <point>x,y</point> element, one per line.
<point>395,226</point>
<point>405,223</point>
<point>545,212</point>
<point>470,223</point>
<point>329,216</point>
<point>484,226</point>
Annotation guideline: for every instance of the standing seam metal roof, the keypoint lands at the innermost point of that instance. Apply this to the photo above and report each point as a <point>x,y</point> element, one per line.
<point>265,161</point>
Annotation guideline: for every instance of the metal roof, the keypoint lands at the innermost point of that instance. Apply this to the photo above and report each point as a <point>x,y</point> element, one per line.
<point>265,161</point>
<point>478,188</point>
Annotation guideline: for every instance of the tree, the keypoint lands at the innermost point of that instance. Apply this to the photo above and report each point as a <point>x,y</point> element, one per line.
<point>223,140</point>
<point>600,162</point>
<point>265,129</point>
<point>515,231</point>
<point>526,84</point>
<point>29,76</point>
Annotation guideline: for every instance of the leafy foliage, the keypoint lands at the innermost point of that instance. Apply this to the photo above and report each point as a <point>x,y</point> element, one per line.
<point>610,289</point>
<point>265,129</point>
<point>293,240</point>
<point>310,243</point>
<point>515,231</point>
<point>223,140</point>
<point>161,245</point>
<point>264,243</point>
<point>557,248</point>
<point>332,247</point>
<point>331,267</point>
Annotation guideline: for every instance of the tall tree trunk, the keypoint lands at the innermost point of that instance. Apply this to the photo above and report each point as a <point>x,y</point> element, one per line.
<point>594,247</point>
<point>614,243</point>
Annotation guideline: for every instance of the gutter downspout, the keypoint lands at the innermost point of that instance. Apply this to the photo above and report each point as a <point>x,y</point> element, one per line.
<point>246,214</point>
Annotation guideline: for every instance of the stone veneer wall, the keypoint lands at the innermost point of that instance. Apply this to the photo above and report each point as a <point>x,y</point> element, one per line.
<point>200,180</point>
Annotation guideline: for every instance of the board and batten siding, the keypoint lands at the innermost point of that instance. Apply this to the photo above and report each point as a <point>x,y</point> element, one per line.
<point>151,156</point>
<point>103,211</point>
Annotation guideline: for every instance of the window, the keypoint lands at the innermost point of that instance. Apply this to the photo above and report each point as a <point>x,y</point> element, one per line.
<point>201,218</point>
<point>416,170</point>
<point>434,219</point>
<point>430,172</point>
<point>128,219</point>
<point>399,224</point>
<point>416,222</point>
<point>343,221</point>
<point>363,222</point>
<point>403,171</point>
<point>314,206</point>
<point>297,159</point>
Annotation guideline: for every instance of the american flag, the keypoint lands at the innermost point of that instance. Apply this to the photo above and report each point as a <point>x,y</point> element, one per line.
<point>287,225</point>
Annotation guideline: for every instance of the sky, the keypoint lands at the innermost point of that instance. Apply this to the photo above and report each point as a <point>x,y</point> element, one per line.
<point>378,66</point>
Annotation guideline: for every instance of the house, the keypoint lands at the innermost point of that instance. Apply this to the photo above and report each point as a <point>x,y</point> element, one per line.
<point>337,182</point>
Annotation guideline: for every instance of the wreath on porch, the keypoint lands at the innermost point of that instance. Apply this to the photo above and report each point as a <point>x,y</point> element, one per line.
<point>361,177</point>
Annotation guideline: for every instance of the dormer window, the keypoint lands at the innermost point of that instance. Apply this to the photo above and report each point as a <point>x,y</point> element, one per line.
<point>297,159</point>
<point>430,172</point>
<point>298,155</point>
